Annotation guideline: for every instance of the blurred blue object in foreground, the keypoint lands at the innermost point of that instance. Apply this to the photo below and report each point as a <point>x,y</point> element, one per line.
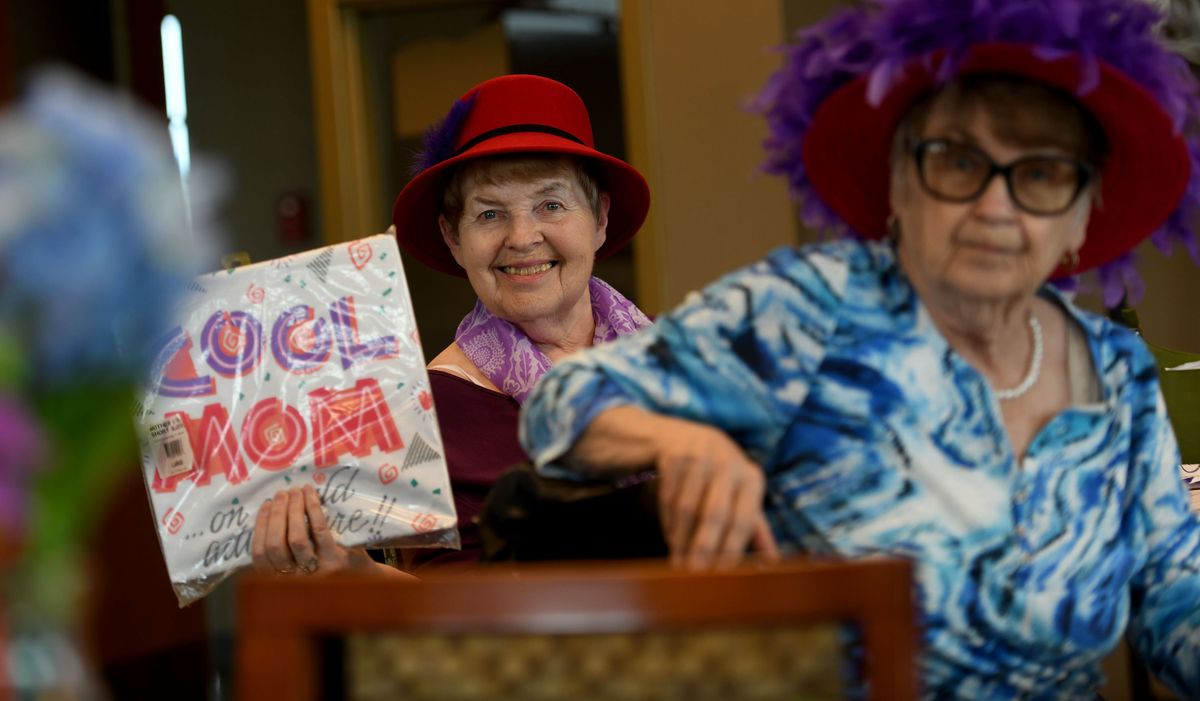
<point>94,227</point>
<point>98,240</point>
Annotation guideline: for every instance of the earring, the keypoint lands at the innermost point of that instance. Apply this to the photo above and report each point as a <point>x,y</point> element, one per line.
<point>893,228</point>
<point>1070,261</point>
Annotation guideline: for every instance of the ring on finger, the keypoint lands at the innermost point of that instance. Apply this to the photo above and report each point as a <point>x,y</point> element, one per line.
<point>310,566</point>
<point>284,570</point>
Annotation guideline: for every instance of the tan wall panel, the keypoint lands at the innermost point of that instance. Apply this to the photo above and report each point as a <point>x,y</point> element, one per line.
<point>689,68</point>
<point>1169,313</point>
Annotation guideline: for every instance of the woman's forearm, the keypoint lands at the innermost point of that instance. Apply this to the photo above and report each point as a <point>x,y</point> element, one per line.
<point>621,438</point>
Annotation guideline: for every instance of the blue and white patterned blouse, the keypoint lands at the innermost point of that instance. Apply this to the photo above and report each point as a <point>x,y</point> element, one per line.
<point>877,437</point>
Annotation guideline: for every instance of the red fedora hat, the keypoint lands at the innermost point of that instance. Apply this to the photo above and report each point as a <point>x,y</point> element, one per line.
<point>847,80</point>
<point>512,114</point>
<point>848,146</point>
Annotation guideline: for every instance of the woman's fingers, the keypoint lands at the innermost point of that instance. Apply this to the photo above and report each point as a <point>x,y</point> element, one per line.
<point>745,518</point>
<point>276,556</point>
<point>710,498</point>
<point>682,483</point>
<point>327,546</point>
<point>668,485</point>
<point>292,534</point>
<point>684,508</point>
<point>714,518</point>
<point>764,540</point>
<point>299,542</point>
<point>258,541</point>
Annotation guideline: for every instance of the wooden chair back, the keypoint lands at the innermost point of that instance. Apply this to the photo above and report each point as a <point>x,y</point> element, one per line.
<point>591,630</point>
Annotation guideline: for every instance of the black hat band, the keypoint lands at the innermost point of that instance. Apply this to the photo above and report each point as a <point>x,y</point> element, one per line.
<point>514,129</point>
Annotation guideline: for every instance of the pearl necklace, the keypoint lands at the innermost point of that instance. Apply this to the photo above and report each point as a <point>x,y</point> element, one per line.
<point>1035,365</point>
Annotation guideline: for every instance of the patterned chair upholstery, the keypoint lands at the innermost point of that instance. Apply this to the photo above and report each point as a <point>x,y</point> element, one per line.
<point>582,631</point>
<point>777,663</point>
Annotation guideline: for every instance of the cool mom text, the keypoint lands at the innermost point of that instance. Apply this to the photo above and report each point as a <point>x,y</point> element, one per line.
<point>273,433</point>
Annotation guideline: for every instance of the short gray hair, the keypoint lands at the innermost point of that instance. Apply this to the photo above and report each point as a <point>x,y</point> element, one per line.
<point>495,169</point>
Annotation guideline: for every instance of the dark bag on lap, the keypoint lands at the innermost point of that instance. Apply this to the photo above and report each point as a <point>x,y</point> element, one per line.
<point>530,517</point>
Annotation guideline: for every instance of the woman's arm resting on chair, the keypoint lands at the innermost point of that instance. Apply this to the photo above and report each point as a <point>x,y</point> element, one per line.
<point>710,494</point>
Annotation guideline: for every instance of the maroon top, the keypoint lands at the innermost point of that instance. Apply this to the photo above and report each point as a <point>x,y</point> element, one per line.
<point>479,435</point>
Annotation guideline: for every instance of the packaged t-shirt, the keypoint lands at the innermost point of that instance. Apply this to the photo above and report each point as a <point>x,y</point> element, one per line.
<point>306,370</point>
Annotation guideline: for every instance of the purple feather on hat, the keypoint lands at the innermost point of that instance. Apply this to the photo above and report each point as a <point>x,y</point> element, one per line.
<point>441,137</point>
<point>880,37</point>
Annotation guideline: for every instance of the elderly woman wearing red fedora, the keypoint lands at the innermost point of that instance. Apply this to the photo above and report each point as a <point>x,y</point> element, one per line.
<point>511,193</point>
<point>919,389</point>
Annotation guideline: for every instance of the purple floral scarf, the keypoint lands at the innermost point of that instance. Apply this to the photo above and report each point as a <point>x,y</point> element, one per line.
<point>506,356</point>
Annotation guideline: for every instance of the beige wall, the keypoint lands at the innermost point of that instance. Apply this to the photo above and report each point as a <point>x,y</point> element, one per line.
<point>250,108</point>
<point>1170,311</point>
<point>688,69</point>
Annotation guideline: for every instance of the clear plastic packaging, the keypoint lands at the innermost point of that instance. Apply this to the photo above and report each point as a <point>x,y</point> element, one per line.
<point>302,370</point>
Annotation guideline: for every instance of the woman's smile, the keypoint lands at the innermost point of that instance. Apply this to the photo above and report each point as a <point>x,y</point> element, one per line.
<point>527,270</point>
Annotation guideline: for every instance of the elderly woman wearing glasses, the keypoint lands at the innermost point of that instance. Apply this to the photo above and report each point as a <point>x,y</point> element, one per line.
<point>920,390</point>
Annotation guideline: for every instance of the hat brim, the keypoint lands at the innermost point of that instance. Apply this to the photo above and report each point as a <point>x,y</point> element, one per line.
<point>847,148</point>
<point>416,210</point>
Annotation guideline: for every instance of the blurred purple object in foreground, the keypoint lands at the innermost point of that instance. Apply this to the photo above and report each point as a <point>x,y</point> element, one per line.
<point>20,456</point>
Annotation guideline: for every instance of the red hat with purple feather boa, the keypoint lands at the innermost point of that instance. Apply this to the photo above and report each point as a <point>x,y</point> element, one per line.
<point>511,115</point>
<point>849,79</point>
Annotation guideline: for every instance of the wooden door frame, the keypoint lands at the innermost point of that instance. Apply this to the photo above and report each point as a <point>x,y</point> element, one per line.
<point>347,147</point>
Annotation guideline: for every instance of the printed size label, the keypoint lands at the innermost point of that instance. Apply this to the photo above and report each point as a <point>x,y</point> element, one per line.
<point>172,450</point>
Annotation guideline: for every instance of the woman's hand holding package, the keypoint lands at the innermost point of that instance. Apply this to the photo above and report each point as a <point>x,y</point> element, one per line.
<point>292,535</point>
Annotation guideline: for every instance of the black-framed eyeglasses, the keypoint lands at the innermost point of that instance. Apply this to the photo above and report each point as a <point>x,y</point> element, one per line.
<point>958,172</point>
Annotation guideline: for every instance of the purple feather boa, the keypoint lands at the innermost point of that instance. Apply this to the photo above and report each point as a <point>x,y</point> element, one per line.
<point>441,137</point>
<point>881,36</point>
